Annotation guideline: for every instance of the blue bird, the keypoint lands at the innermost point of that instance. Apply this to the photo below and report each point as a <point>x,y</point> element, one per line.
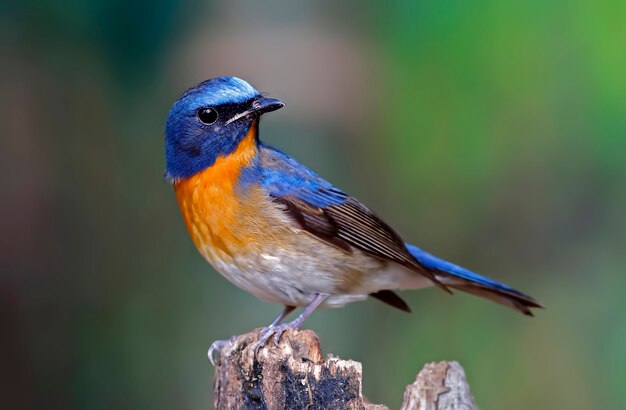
<point>279,231</point>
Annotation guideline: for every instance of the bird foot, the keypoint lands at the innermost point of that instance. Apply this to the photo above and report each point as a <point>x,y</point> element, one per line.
<point>275,330</point>
<point>217,347</point>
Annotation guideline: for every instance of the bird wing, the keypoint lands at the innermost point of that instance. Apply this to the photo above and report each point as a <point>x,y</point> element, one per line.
<point>329,214</point>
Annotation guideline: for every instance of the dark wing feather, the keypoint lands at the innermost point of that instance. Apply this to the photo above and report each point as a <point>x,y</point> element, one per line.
<point>315,221</point>
<point>392,299</point>
<point>350,224</point>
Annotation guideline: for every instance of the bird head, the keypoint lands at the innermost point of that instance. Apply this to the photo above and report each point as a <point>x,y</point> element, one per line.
<point>208,121</point>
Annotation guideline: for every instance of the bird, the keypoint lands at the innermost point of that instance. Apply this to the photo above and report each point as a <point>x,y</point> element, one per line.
<point>278,230</point>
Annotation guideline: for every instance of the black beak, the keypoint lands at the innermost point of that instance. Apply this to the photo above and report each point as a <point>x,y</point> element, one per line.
<point>262,105</point>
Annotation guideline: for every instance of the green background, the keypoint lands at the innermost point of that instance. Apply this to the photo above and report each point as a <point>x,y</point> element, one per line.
<point>490,133</point>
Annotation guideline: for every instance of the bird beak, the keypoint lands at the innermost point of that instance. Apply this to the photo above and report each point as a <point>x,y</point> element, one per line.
<point>263,104</point>
<point>260,105</point>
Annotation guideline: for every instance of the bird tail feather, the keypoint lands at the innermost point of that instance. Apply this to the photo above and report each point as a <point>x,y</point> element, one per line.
<point>462,279</point>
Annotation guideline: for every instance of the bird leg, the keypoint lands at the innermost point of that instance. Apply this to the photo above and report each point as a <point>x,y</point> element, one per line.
<point>218,345</point>
<point>277,329</point>
<point>287,310</point>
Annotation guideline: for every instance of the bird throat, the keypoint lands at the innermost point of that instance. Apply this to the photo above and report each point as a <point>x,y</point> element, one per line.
<point>209,202</point>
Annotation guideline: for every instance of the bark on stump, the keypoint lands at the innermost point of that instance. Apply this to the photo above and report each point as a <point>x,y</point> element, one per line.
<point>295,375</point>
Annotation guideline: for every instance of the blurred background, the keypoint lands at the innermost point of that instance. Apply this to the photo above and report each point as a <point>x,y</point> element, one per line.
<point>490,133</point>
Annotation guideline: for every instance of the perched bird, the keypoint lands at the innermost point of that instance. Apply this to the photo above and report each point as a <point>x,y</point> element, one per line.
<point>279,231</point>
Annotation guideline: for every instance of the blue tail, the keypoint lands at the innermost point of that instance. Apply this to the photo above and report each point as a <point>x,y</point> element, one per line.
<point>459,278</point>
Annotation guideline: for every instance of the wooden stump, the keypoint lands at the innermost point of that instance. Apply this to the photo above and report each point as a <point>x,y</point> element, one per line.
<point>438,386</point>
<point>295,375</point>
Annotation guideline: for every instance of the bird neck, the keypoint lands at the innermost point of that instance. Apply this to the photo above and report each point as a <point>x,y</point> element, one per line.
<point>243,155</point>
<point>208,199</point>
<point>226,168</point>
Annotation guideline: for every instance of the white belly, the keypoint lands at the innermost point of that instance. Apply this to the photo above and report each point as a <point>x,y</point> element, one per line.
<point>295,274</point>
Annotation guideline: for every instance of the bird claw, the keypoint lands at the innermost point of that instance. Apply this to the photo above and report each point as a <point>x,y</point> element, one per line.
<point>266,333</point>
<point>217,347</point>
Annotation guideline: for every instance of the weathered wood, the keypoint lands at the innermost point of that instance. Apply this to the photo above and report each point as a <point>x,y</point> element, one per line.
<point>295,375</point>
<point>438,386</point>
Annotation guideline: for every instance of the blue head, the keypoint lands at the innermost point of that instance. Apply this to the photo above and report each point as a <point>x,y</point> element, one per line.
<point>208,121</point>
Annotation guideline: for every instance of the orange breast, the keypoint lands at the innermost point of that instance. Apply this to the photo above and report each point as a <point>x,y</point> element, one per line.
<point>209,204</point>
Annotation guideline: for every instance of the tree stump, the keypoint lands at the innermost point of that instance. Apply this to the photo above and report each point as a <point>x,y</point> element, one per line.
<point>295,375</point>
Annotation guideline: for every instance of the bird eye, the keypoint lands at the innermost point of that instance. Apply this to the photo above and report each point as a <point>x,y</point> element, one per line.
<point>207,115</point>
